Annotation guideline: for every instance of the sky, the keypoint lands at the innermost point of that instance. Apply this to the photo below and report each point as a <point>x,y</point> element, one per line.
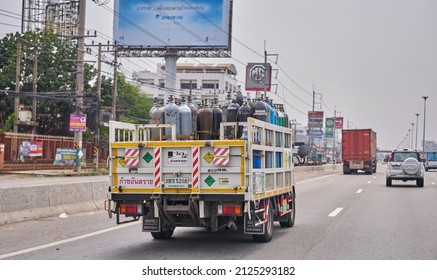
<point>369,60</point>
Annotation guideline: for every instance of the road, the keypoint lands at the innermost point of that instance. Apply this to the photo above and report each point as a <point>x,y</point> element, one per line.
<point>339,217</point>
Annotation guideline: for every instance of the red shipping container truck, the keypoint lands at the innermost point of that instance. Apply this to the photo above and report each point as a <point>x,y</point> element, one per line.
<point>359,150</point>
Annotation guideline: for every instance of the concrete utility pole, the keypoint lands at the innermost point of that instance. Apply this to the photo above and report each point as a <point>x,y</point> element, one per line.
<point>17,85</point>
<point>80,77</point>
<point>114,88</point>
<point>34,85</point>
<point>97,124</point>
<point>417,127</point>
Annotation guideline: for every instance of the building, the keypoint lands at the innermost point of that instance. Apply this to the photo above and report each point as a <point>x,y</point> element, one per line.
<point>206,81</point>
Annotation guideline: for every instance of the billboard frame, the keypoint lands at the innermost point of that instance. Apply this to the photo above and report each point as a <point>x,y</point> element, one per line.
<point>125,50</point>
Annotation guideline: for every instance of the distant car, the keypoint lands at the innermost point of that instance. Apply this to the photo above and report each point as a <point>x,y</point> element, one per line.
<point>405,165</point>
<point>431,161</point>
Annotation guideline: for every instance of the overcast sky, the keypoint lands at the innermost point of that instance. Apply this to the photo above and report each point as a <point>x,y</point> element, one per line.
<point>371,60</point>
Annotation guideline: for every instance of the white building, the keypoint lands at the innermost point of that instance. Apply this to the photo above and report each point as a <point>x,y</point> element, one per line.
<point>204,80</point>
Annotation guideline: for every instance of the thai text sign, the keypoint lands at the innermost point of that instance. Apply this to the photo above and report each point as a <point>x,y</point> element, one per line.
<point>77,122</point>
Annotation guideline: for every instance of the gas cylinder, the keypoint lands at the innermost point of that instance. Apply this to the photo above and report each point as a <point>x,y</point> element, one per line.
<point>205,121</point>
<point>244,112</point>
<point>216,120</point>
<point>280,115</point>
<point>224,106</point>
<point>286,119</point>
<point>157,117</point>
<point>260,109</point>
<point>171,115</point>
<point>232,117</point>
<point>185,121</point>
<point>193,116</point>
<point>273,118</point>
<point>239,96</point>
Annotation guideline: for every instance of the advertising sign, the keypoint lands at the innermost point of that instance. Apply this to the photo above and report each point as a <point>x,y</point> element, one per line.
<point>156,24</point>
<point>31,149</point>
<point>69,157</point>
<point>77,122</point>
<point>315,133</point>
<point>315,119</point>
<point>258,76</point>
<point>339,122</point>
<point>329,123</point>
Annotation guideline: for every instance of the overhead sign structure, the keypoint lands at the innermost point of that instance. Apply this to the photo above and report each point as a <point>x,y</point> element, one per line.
<point>158,24</point>
<point>258,76</point>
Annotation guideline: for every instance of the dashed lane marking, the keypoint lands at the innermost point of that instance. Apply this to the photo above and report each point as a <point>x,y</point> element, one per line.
<point>359,191</point>
<point>335,212</point>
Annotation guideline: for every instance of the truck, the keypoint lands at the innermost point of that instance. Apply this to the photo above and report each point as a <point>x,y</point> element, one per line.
<point>222,184</point>
<point>359,151</point>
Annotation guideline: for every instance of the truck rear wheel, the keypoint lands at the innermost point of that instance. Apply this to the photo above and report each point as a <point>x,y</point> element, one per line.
<point>290,216</point>
<point>163,234</point>
<point>268,228</point>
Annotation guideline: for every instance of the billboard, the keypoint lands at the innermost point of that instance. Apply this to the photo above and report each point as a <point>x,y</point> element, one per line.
<point>315,119</point>
<point>339,122</point>
<point>156,24</point>
<point>258,76</point>
<point>78,122</point>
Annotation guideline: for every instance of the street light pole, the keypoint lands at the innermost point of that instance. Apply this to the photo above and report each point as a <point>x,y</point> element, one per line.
<point>412,135</point>
<point>417,127</point>
<point>424,127</point>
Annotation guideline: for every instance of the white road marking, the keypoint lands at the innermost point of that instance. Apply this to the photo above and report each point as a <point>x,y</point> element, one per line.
<point>433,183</point>
<point>359,191</point>
<point>60,242</point>
<point>335,212</point>
<point>369,182</point>
<point>374,177</point>
<point>315,179</point>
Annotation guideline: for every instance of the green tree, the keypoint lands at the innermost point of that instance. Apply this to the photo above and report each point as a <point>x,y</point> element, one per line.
<point>56,81</point>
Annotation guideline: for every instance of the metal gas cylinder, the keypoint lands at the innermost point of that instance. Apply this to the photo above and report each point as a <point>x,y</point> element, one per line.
<point>205,121</point>
<point>232,117</point>
<point>185,121</point>
<point>193,117</point>
<point>157,117</point>
<point>260,110</point>
<point>244,112</point>
<point>216,120</point>
<point>171,115</point>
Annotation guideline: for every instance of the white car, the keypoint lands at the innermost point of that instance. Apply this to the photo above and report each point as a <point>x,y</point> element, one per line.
<point>405,165</point>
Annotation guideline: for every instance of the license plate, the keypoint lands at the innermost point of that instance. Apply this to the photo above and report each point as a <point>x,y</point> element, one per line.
<point>177,182</point>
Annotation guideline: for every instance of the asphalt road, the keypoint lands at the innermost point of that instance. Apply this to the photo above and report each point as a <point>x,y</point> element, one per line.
<point>339,217</point>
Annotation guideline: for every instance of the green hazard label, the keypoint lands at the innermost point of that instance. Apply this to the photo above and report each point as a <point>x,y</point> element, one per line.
<point>148,157</point>
<point>209,181</point>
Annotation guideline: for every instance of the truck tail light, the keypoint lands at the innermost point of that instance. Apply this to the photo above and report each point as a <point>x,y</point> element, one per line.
<point>230,209</point>
<point>131,208</point>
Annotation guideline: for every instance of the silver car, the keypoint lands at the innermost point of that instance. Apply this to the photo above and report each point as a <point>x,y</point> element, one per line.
<point>405,165</point>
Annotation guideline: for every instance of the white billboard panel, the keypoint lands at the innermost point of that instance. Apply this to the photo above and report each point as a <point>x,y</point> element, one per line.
<point>146,24</point>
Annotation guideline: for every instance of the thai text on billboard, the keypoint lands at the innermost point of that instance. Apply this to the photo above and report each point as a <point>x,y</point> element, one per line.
<point>77,122</point>
<point>156,24</point>
<point>315,119</point>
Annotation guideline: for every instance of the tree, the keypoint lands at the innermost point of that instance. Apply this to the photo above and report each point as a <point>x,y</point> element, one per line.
<point>56,81</point>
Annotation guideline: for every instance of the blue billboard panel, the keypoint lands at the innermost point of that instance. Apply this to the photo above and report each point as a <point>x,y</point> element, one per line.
<point>166,23</point>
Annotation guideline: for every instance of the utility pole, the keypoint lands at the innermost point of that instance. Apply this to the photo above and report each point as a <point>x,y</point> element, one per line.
<point>114,88</point>
<point>34,85</point>
<point>97,119</point>
<point>17,85</point>
<point>80,78</point>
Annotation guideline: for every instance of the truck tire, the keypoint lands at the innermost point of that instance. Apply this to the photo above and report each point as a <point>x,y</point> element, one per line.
<point>268,228</point>
<point>291,217</point>
<point>163,234</point>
